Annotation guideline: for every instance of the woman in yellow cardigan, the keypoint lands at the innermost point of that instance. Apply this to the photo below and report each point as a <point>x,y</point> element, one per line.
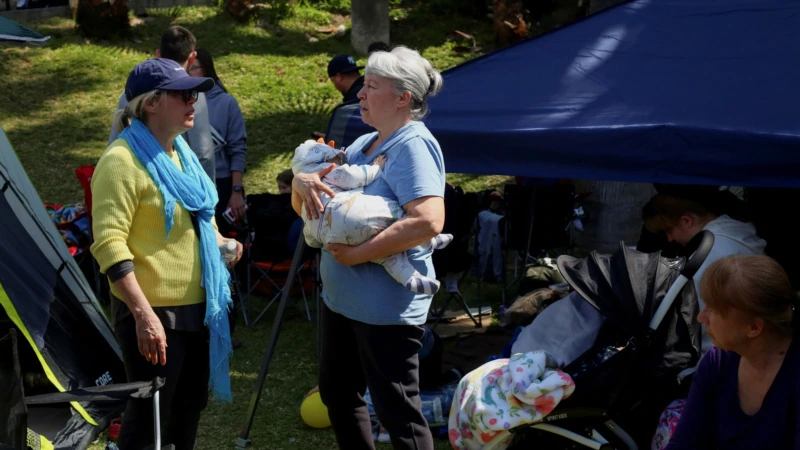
<point>156,239</point>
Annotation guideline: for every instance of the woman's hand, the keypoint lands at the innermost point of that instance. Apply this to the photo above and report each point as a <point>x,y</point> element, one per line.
<point>239,251</point>
<point>347,255</point>
<point>151,338</point>
<point>308,186</point>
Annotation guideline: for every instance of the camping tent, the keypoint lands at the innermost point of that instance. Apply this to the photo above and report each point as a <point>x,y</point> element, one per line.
<point>14,32</point>
<point>64,334</point>
<point>671,91</point>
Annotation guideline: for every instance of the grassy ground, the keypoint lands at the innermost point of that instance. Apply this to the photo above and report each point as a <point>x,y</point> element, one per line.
<point>56,105</point>
<point>57,102</point>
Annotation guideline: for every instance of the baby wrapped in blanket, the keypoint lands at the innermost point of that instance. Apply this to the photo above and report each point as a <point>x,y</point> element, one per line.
<point>352,217</point>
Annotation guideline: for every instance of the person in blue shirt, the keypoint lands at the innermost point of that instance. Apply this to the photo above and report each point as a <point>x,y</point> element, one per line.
<point>372,325</point>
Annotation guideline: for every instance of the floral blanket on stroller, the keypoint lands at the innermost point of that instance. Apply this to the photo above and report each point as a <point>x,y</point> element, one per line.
<point>503,394</point>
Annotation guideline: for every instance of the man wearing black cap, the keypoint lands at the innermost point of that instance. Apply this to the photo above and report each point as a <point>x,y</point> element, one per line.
<point>345,76</point>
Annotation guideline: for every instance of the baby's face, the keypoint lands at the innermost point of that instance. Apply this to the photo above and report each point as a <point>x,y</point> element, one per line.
<point>339,159</point>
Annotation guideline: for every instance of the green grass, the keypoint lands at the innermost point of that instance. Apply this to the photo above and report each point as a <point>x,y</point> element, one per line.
<point>57,101</point>
<point>56,106</point>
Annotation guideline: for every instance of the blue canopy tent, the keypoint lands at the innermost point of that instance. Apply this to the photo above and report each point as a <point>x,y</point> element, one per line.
<point>666,91</point>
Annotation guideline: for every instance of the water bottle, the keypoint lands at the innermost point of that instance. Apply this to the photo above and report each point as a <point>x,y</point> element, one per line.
<point>228,251</point>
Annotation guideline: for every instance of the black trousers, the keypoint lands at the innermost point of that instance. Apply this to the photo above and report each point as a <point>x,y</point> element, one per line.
<point>357,355</point>
<point>183,397</point>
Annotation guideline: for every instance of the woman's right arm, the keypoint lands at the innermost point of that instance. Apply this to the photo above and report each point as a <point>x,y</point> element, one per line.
<point>695,429</point>
<point>115,198</point>
<point>150,333</point>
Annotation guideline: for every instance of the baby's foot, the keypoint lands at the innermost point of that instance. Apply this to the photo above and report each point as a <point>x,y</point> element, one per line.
<point>439,242</point>
<point>422,284</point>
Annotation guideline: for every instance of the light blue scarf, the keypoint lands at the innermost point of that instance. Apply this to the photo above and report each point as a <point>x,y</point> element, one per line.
<point>195,192</point>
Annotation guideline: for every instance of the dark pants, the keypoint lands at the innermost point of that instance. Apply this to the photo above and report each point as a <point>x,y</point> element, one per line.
<point>355,356</point>
<point>183,397</point>
<point>430,367</point>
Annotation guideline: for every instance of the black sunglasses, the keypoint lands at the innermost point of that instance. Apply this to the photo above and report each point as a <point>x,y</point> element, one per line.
<point>189,94</point>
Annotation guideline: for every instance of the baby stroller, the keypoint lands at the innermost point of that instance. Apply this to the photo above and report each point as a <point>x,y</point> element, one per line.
<point>649,336</point>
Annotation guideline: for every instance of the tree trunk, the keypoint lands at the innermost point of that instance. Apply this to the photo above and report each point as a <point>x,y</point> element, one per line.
<point>509,22</point>
<point>370,23</point>
<point>613,214</point>
<point>599,5</point>
<point>98,19</point>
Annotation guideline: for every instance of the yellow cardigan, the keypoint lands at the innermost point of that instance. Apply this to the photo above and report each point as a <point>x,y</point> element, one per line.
<point>128,224</point>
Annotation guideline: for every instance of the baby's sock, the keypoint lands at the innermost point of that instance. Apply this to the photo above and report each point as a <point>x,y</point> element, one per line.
<point>422,284</point>
<point>438,242</point>
<point>400,268</point>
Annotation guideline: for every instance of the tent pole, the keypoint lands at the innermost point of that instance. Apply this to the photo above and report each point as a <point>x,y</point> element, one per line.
<point>242,441</point>
<point>157,418</point>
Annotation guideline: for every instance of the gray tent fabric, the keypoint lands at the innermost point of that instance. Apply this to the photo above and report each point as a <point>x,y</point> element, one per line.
<point>44,295</point>
<point>12,31</point>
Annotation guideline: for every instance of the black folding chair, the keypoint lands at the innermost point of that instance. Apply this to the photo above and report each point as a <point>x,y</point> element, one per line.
<point>460,212</point>
<point>14,404</point>
<point>268,254</point>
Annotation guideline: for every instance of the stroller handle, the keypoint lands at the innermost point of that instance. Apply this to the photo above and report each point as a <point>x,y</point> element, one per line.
<point>701,243</point>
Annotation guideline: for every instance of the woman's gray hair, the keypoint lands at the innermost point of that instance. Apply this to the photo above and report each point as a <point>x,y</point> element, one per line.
<point>134,109</point>
<point>410,72</point>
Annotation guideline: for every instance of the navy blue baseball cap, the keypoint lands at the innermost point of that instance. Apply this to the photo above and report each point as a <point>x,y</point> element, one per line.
<point>342,64</point>
<point>163,74</point>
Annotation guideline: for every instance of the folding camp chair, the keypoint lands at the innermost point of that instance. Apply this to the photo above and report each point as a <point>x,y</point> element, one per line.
<point>15,433</point>
<point>270,274</point>
<point>455,259</point>
<point>92,273</point>
<point>267,256</point>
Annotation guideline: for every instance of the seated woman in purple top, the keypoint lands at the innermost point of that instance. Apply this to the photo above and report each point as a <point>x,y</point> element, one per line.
<point>745,391</point>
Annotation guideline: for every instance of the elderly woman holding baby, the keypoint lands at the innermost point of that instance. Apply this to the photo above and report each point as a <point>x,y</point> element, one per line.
<point>371,325</point>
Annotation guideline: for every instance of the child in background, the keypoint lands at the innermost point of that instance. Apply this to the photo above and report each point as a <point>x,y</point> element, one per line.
<point>285,181</point>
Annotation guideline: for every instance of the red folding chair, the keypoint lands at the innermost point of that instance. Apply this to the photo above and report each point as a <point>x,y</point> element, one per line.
<point>267,256</point>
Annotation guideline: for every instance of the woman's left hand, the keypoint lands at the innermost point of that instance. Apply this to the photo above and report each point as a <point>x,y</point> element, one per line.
<point>347,255</point>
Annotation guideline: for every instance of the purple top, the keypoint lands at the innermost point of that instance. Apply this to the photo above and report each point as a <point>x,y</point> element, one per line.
<point>713,418</point>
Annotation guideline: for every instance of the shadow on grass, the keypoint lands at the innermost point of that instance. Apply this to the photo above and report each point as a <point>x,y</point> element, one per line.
<point>212,28</point>
<point>50,162</point>
<point>29,94</point>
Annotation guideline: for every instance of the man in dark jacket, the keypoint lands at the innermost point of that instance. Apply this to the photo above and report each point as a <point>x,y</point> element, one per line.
<point>345,76</point>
